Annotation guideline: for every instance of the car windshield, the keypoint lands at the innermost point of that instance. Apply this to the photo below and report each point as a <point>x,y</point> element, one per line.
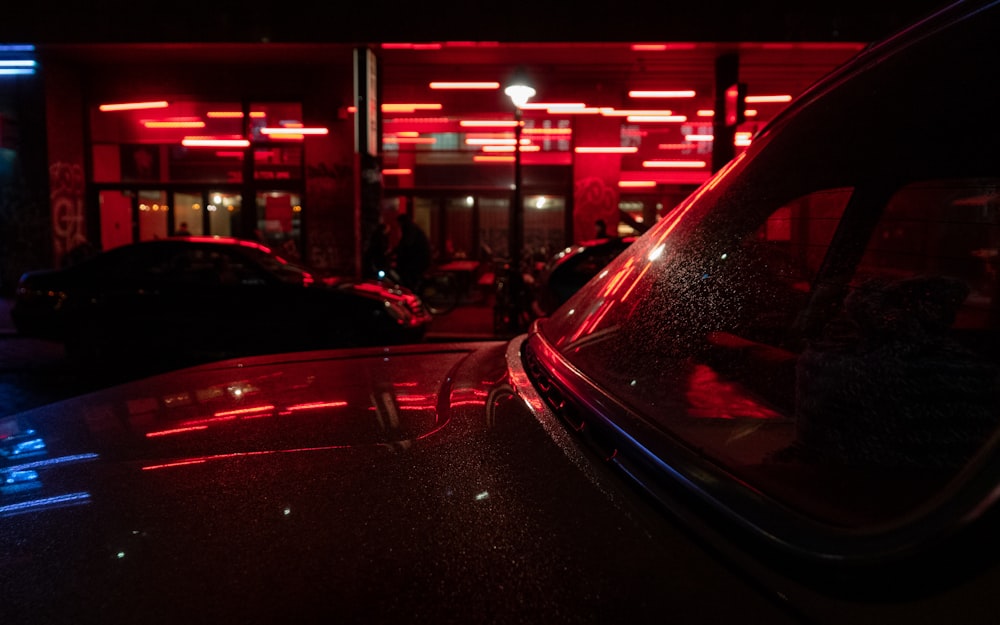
<point>817,319</point>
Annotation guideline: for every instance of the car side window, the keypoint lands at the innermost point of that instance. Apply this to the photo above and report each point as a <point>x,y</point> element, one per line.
<point>897,386</point>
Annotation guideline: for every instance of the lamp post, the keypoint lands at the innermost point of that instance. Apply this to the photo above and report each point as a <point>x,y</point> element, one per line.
<point>519,92</point>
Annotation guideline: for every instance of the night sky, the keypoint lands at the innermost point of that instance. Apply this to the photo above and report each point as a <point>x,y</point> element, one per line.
<point>442,20</point>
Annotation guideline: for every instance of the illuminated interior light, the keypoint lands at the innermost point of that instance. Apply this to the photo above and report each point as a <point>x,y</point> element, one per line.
<point>674,146</point>
<point>677,164</point>
<point>487,123</point>
<point>636,184</point>
<point>649,47</point>
<point>257,114</point>
<point>705,113</point>
<point>607,150</point>
<point>613,112</point>
<point>16,71</point>
<point>464,85</point>
<point>489,158</point>
<point>224,154</point>
<point>742,139</point>
<point>402,171</point>
<point>192,142</point>
<point>174,124</point>
<point>408,134</point>
<point>702,138</point>
<point>284,130</point>
<point>224,114</point>
<point>681,93</point>
<point>761,99</point>
<point>17,47</point>
<point>134,106</point>
<point>750,112</point>
<point>510,148</point>
<point>17,63</point>
<point>410,107</point>
<point>656,119</point>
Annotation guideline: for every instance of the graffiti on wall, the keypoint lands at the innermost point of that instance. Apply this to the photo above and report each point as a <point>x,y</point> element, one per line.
<point>593,199</point>
<point>66,197</point>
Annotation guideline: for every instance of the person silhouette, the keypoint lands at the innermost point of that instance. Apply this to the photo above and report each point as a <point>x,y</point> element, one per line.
<point>413,252</point>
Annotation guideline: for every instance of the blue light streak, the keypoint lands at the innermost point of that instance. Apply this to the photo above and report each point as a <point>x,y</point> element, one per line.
<point>47,502</point>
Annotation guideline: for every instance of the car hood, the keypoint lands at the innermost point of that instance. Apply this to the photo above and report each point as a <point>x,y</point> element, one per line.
<point>407,484</point>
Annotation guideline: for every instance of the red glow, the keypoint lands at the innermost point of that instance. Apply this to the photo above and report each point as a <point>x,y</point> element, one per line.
<point>404,171</point>
<point>134,106</point>
<point>482,158</point>
<point>464,85</point>
<point>561,132</point>
<point>205,142</point>
<point>245,411</point>
<point>763,99</point>
<point>411,46</point>
<point>701,138</point>
<point>174,124</point>
<point>410,107</point>
<point>411,140</point>
<point>678,164</point>
<point>681,93</point>
<point>542,106</point>
<point>656,119</point>
<point>613,112</point>
<point>487,123</point>
<point>224,114</point>
<point>606,150</point>
<point>176,431</point>
<point>297,130</point>
<point>317,405</point>
<point>636,184</point>
<point>223,154</point>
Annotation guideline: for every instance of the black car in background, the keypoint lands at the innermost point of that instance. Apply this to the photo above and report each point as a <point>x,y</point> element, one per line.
<point>780,405</point>
<point>193,299</point>
<point>567,271</point>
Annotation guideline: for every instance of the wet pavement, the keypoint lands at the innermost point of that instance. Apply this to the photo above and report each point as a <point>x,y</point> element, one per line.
<point>34,373</point>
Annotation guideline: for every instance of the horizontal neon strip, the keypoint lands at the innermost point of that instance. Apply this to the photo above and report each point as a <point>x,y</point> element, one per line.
<point>705,113</point>
<point>636,184</point>
<point>487,123</point>
<point>289,130</point>
<point>606,150</point>
<point>548,131</point>
<point>176,124</point>
<point>465,85</point>
<point>657,119</point>
<point>760,99</point>
<point>215,143</point>
<point>410,108</point>
<point>510,148</point>
<point>225,114</point>
<point>286,136</point>
<point>612,112</point>
<point>19,71</point>
<point>17,63</point>
<point>411,46</point>
<point>403,171</point>
<point>541,106</point>
<point>486,158</point>
<point>677,164</point>
<point>410,140</point>
<point>699,137</point>
<point>573,110</point>
<point>134,106</point>
<point>17,47</point>
<point>683,93</point>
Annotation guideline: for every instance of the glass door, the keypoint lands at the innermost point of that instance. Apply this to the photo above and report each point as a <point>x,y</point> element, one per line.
<point>153,213</point>
<point>189,213</point>
<point>223,210</point>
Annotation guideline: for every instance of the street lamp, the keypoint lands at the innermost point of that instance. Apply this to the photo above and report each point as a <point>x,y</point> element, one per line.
<point>519,92</point>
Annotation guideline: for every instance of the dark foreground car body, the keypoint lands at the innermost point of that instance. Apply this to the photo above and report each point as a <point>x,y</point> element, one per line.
<point>779,405</point>
<point>193,299</point>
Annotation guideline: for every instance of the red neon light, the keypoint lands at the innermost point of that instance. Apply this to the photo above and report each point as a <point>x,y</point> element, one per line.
<point>484,158</point>
<point>176,431</point>
<point>403,171</point>
<point>284,130</point>
<point>547,131</point>
<point>410,107</point>
<point>510,148</point>
<point>612,112</point>
<point>411,140</point>
<point>193,142</point>
<point>317,405</point>
<point>701,138</point>
<point>680,93</point>
<point>411,46</point>
<point>464,85</point>
<point>656,119</point>
<point>541,106</point>
<point>705,113</point>
<point>242,411</point>
<point>224,114</point>
<point>636,184</point>
<point>174,124</point>
<point>134,106</point>
<point>487,123</point>
<point>677,164</point>
<point>606,150</point>
<point>760,99</point>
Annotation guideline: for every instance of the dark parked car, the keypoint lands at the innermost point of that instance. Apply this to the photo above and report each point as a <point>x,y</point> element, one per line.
<point>567,271</point>
<point>779,405</point>
<point>192,299</point>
